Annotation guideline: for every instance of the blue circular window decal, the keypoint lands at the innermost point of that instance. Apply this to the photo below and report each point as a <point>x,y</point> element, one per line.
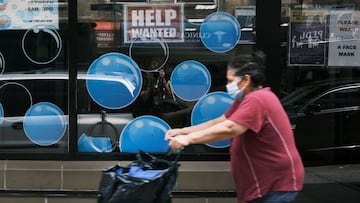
<point>209,107</point>
<point>190,80</point>
<point>220,32</point>
<point>44,124</point>
<point>145,133</point>
<point>1,113</point>
<point>114,81</point>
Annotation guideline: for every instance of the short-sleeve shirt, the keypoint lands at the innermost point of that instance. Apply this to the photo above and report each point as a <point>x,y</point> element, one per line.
<point>265,158</point>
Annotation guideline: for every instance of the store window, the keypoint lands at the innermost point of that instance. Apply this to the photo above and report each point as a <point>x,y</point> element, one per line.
<point>169,58</point>
<point>33,77</point>
<point>321,77</point>
<point>144,66</point>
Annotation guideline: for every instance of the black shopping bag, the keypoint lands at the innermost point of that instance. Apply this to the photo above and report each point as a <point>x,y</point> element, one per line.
<point>148,179</point>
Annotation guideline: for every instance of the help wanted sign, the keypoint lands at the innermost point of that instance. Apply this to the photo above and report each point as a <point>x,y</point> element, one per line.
<point>149,23</point>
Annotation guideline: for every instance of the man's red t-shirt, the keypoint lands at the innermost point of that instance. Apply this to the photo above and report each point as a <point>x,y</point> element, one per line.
<point>265,158</point>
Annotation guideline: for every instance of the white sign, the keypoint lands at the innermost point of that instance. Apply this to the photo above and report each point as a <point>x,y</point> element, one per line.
<point>344,44</point>
<point>25,14</point>
<point>146,23</point>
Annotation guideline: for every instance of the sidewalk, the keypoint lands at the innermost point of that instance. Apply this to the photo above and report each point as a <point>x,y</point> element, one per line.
<point>331,184</point>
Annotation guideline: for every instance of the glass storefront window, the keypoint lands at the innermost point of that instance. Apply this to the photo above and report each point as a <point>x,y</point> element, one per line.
<point>166,57</point>
<point>134,68</point>
<point>33,77</point>
<point>321,71</point>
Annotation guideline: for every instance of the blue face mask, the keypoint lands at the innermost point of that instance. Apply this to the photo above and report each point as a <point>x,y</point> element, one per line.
<point>234,91</point>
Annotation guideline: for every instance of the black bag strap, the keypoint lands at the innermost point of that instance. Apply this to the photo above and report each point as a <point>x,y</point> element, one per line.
<point>148,161</point>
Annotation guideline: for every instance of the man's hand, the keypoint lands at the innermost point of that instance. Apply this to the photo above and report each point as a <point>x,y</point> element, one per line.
<point>179,142</point>
<point>173,132</point>
<point>177,138</point>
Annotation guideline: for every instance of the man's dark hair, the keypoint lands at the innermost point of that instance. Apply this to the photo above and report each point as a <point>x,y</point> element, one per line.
<point>249,65</point>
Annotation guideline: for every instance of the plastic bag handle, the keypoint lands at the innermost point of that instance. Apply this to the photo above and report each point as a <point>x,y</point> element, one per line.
<point>149,161</point>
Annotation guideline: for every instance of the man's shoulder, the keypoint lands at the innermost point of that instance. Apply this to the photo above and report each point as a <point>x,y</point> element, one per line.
<point>261,93</point>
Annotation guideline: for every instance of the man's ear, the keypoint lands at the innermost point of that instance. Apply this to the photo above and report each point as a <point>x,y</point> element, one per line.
<point>247,78</point>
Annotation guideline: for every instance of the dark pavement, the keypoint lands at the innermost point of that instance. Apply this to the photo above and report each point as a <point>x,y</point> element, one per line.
<point>327,184</point>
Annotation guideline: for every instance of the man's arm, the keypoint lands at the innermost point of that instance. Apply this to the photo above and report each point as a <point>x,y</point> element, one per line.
<point>189,129</point>
<point>218,132</point>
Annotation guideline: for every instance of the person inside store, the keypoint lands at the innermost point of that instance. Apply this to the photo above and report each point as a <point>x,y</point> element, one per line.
<point>265,162</point>
<point>162,86</point>
<point>143,104</point>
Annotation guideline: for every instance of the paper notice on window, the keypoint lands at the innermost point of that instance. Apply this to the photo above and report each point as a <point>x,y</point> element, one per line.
<point>344,36</point>
<point>26,14</point>
<point>144,23</point>
<point>306,37</point>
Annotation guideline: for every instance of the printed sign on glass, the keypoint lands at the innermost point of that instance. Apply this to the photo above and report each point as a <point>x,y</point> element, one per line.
<point>344,46</point>
<point>105,34</point>
<point>144,23</point>
<point>307,37</point>
<point>20,14</point>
